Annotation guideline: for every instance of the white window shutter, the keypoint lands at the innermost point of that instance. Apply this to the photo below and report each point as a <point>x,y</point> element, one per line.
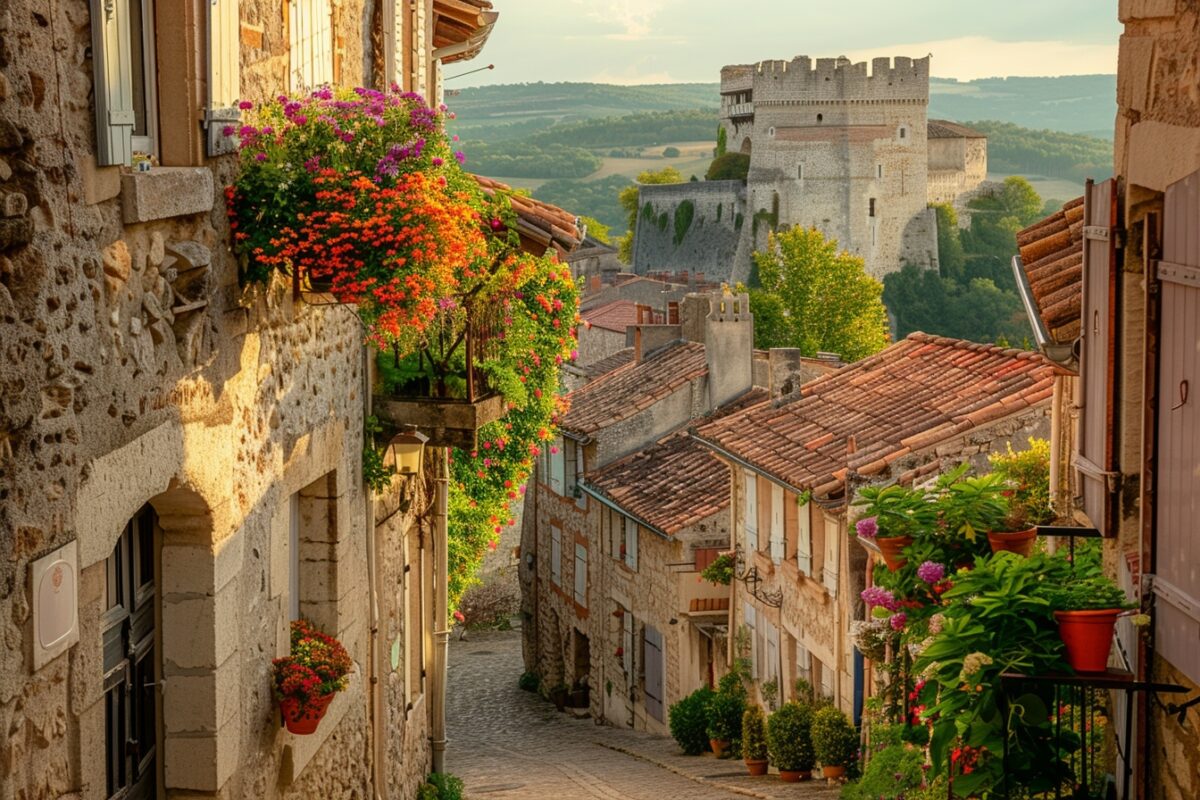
<point>832,554</point>
<point>631,543</point>
<point>750,509</point>
<point>804,539</point>
<point>776,523</point>
<point>311,43</point>
<point>557,466</point>
<point>581,562</point>
<point>113,75</point>
<point>224,74</point>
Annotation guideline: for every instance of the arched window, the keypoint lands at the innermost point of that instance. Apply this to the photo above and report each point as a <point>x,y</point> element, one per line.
<point>820,118</point>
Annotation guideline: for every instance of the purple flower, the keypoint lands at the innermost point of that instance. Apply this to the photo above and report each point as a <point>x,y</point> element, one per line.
<point>497,224</point>
<point>247,131</point>
<point>931,572</point>
<point>245,105</point>
<point>898,621</point>
<point>229,130</point>
<point>300,119</point>
<point>867,527</point>
<point>260,157</point>
<point>347,137</point>
<point>313,164</point>
<point>437,161</point>
<point>460,156</point>
<point>878,596</point>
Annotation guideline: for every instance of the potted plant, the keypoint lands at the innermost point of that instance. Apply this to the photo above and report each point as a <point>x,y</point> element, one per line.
<point>789,742</point>
<point>306,680</point>
<point>688,720</point>
<point>719,570</point>
<point>835,742</point>
<point>1026,476</point>
<point>754,740</point>
<point>725,713</point>
<point>1086,609</point>
<point>891,519</point>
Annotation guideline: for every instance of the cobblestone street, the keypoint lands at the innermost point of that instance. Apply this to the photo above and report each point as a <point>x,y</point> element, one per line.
<point>507,743</point>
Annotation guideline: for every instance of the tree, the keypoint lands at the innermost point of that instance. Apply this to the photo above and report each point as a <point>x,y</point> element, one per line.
<point>951,259</point>
<point>670,152</point>
<point>829,301</point>
<point>630,203</point>
<point>728,167</point>
<point>722,140</point>
<point>595,228</point>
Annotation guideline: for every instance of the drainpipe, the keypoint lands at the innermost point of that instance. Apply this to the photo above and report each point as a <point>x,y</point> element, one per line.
<point>377,716</point>
<point>441,611</point>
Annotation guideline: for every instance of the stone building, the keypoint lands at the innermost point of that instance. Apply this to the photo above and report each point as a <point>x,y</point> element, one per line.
<point>904,414</point>
<point>832,145</point>
<point>181,457</point>
<point>1110,284</point>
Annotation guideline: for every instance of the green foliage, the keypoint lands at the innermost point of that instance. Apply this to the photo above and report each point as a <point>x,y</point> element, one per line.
<point>671,152</point>
<point>663,219</point>
<point>529,682</point>
<point>952,261</point>
<point>739,220</point>
<point>688,720</point>
<point>972,506</point>
<point>789,737</point>
<point>530,160</point>
<point>1028,474</point>
<point>1089,590</point>
<point>725,711</point>
<point>1069,156</point>
<point>720,570</point>
<point>728,167</point>
<point>835,741</point>
<point>593,199</point>
<point>646,129</point>
<point>377,476</point>
<point>595,228</point>
<point>893,769</point>
<point>722,140</point>
<point>898,510</point>
<point>684,213</point>
<point>830,302</point>
<point>441,786</point>
<point>629,199</point>
<point>754,734</point>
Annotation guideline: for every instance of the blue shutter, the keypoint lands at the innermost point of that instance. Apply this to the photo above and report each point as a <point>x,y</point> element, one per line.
<point>112,74</point>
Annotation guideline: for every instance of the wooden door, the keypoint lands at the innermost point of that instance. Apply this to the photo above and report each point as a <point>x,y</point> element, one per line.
<point>652,661</point>
<point>130,662</point>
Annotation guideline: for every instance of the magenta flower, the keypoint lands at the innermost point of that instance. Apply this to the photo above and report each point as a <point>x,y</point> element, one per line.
<point>878,596</point>
<point>437,161</point>
<point>245,105</point>
<point>260,157</point>
<point>228,130</point>
<point>899,621</point>
<point>931,572</point>
<point>867,527</point>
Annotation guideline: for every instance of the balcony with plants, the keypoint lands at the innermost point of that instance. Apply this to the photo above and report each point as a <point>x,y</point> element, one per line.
<point>990,648</point>
<point>360,198</point>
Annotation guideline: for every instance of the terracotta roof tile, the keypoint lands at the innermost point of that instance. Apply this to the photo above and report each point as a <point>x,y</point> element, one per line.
<point>945,129</point>
<point>615,316</point>
<point>1052,257</point>
<point>542,227</point>
<point>608,364</point>
<point>676,482</point>
<point>916,393</point>
<point>621,393</point>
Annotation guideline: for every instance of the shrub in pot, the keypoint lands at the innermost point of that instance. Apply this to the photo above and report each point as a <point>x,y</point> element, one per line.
<point>1027,478</point>
<point>688,720</point>
<point>725,713</point>
<point>893,516</point>
<point>1086,609</point>
<point>306,680</point>
<point>754,740</point>
<point>789,741</point>
<point>835,741</point>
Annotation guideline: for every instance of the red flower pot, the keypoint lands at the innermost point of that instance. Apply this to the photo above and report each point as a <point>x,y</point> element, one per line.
<point>756,766</point>
<point>891,547</point>
<point>1019,542</point>
<point>303,720</point>
<point>795,775</point>
<point>718,746</point>
<point>1088,637</point>
<point>833,772</point>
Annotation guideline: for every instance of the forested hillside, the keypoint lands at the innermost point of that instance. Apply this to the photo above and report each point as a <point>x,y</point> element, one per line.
<point>1022,151</point>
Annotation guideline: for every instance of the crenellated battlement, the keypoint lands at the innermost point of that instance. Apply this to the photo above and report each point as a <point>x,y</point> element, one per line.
<point>831,79</point>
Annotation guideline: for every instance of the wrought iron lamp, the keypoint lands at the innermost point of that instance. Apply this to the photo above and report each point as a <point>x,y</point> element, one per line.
<point>408,450</point>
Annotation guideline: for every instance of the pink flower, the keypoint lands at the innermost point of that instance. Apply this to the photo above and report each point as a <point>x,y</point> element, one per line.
<point>898,621</point>
<point>245,105</point>
<point>867,527</point>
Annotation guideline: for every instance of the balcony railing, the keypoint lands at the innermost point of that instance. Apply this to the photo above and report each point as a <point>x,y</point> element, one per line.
<point>741,110</point>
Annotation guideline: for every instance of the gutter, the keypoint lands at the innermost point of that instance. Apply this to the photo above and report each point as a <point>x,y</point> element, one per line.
<point>377,716</point>
<point>1061,354</point>
<point>596,493</point>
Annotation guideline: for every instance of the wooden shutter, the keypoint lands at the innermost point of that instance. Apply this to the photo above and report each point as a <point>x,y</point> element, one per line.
<point>311,43</point>
<point>112,73</point>
<point>829,569</point>
<point>1094,456</point>
<point>804,540</point>
<point>581,570</point>
<point>750,620</point>
<point>631,543</point>
<point>1176,581</point>
<point>627,643</point>
<point>580,497</point>
<point>771,660</point>
<point>555,555</point>
<point>776,523</point>
<point>750,509</point>
<point>557,466</point>
<point>653,662</point>
<point>224,74</point>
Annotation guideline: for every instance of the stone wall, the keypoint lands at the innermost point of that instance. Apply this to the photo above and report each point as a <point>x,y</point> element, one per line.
<point>134,370</point>
<point>709,242</point>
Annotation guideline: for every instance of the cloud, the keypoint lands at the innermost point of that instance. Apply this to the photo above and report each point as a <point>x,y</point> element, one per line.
<point>970,57</point>
<point>633,17</point>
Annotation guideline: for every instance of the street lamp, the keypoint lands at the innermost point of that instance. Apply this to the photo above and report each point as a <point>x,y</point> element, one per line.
<point>408,450</point>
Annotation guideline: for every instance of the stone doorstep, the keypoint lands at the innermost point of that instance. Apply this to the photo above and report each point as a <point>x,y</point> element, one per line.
<point>166,192</point>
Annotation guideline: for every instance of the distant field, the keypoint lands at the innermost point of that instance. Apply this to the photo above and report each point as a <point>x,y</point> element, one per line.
<point>1047,188</point>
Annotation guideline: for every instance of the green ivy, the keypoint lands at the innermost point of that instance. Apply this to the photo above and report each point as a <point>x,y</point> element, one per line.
<point>684,213</point>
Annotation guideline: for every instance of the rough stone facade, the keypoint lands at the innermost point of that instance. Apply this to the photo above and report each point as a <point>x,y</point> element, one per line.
<point>135,371</point>
<point>833,145</point>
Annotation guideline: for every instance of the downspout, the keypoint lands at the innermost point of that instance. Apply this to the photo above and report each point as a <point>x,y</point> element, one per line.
<point>441,612</point>
<point>378,738</point>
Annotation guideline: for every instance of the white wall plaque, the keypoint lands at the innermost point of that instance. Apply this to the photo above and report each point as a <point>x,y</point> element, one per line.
<point>54,580</point>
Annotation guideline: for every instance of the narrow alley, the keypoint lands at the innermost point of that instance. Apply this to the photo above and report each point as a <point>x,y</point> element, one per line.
<point>507,743</point>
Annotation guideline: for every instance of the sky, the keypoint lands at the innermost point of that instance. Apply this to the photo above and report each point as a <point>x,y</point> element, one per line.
<point>673,41</point>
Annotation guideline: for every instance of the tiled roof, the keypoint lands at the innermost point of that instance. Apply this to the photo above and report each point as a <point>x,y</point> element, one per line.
<point>1052,257</point>
<point>615,316</point>
<point>918,392</point>
<point>945,129</point>
<point>463,25</point>
<point>627,390</point>
<point>541,225</point>
<point>674,483</point>
<point>609,363</point>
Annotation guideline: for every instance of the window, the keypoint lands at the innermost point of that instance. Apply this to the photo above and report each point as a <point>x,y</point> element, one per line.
<point>803,663</point>
<point>567,467</point>
<point>804,539</point>
<point>310,39</point>
<point>903,132</point>
<point>871,208</point>
<point>826,672</point>
<point>123,54</point>
<point>629,544</point>
<point>776,523</point>
<point>750,509</point>
<point>555,555</point>
<point>800,172</point>
<point>557,466</point>
<point>879,170</point>
<point>830,568</point>
<point>820,118</point>
<point>770,669</point>
<point>581,574</point>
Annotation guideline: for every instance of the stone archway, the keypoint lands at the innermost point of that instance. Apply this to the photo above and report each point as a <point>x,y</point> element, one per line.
<point>746,147</point>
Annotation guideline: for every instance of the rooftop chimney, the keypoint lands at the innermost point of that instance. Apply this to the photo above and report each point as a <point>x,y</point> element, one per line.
<point>728,346</point>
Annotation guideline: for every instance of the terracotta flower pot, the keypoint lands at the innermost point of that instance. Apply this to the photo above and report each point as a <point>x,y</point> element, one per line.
<point>1088,637</point>
<point>891,547</point>
<point>303,720</point>
<point>795,775</point>
<point>833,772</point>
<point>1019,542</point>
<point>718,746</point>
<point>756,766</point>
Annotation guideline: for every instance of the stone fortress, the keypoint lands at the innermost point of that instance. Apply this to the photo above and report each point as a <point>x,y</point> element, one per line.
<point>832,146</point>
